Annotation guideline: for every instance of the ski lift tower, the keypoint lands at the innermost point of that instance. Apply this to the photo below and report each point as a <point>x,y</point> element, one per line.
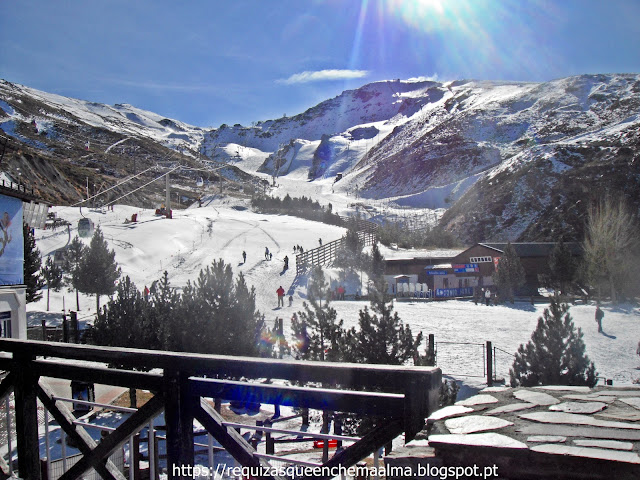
<point>168,197</point>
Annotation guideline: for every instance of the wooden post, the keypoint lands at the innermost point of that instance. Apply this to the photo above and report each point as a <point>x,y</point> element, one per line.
<point>74,327</point>
<point>27,419</point>
<point>270,446</point>
<point>337,428</point>
<point>432,349</point>
<point>134,457</point>
<point>65,329</point>
<point>325,442</point>
<point>44,330</point>
<point>179,419</point>
<point>489,364</point>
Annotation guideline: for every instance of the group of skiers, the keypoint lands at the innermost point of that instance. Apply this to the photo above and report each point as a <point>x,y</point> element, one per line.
<point>298,248</point>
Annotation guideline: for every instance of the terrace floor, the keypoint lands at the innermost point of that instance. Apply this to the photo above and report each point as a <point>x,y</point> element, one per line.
<point>532,433</point>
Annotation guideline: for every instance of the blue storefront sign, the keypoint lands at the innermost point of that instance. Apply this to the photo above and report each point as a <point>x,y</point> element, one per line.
<point>436,272</point>
<point>454,292</point>
<point>466,268</point>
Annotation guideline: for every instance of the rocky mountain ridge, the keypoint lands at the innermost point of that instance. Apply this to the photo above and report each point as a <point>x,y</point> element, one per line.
<point>505,160</point>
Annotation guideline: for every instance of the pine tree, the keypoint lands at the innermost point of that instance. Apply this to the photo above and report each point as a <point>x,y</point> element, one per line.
<point>562,266</point>
<point>217,314</point>
<point>52,275</point>
<point>349,256</point>
<point>377,263</point>
<point>509,275</point>
<point>98,270</point>
<point>32,264</point>
<point>73,256</point>
<point>165,307</point>
<point>126,321</point>
<point>382,338</point>
<point>555,355</point>
<point>324,335</point>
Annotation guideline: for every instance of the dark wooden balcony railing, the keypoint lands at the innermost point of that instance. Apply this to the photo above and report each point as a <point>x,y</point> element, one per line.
<point>403,396</point>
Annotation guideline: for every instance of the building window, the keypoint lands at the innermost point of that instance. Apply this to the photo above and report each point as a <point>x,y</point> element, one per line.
<point>5,323</point>
<point>6,328</point>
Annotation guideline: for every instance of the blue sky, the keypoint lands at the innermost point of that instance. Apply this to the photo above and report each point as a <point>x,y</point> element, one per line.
<point>208,62</point>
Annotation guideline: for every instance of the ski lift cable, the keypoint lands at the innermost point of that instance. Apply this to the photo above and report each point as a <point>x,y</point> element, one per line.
<point>146,184</point>
<point>110,188</point>
<point>117,184</point>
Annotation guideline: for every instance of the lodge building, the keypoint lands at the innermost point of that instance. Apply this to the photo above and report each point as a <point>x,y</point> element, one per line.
<point>458,275</point>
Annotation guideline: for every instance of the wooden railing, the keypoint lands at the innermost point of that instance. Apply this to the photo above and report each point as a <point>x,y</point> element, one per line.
<point>402,397</point>
<point>326,254</point>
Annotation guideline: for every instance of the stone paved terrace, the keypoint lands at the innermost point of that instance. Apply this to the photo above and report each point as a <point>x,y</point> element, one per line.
<point>553,432</point>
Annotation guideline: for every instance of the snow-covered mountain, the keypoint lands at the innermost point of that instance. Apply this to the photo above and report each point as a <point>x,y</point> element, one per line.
<point>496,160</point>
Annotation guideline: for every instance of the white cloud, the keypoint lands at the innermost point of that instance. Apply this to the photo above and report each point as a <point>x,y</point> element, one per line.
<point>324,75</point>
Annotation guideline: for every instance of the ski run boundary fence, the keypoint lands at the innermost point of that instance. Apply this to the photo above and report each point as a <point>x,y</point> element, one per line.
<point>325,254</point>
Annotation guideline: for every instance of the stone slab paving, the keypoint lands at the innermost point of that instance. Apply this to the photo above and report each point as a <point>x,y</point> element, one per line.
<point>579,407</point>
<point>633,401</point>
<point>475,423</point>
<point>477,400</point>
<point>543,432</point>
<point>512,407</point>
<point>613,444</point>
<point>546,439</point>
<point>450,411</point>
<point>576,419</point>
<point>538,398</point>
<point>582,452</point>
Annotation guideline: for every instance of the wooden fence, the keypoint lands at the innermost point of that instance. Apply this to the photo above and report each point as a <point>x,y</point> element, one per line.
<point>326,254</point>
<point>402,397</point>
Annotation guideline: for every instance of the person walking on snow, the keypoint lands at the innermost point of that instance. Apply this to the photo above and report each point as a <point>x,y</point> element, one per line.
<point>487,296</point>
<point>290,300</point>
<point>244,257</point>
<point>266,253</point>
<point>286,262</point>
<point>599,317</point>
<point>280,293</point>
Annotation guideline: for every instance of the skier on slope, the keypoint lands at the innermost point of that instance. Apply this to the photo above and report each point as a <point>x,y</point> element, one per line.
<point>280,293</point>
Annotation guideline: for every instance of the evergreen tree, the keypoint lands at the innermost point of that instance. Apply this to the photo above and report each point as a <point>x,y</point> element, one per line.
<point>217,314</point>
<point>52,275</point>
<point>377,263</point>
<point>562,267</point>
<point>382,338</point>
<point>98,270</point>
<point>349,255</point>
<point>73,256</point>
<point>323,334</point>
<point>165,307</point>
<point>555,355</point>
<point>32,263</point>
<point>126,321</point>
<point>509,275</point>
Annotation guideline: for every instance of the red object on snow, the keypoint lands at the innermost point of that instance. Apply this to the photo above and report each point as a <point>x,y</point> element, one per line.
<point>320,443</point>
